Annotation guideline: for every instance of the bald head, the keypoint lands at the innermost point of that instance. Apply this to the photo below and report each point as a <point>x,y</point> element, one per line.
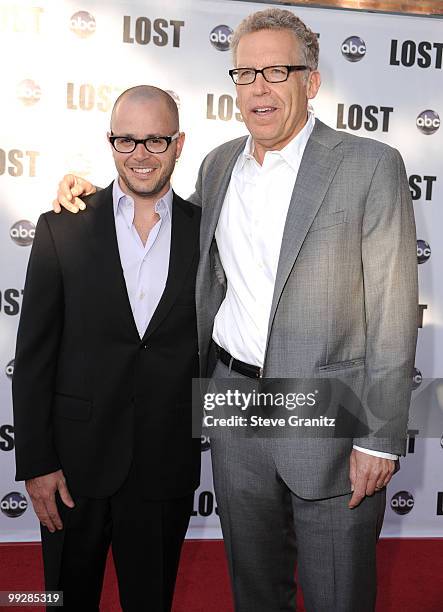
<point>142,94</point>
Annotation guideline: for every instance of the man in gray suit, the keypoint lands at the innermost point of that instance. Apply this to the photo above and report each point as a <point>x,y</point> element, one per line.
<point>308,269</point>
<point>315,241</point>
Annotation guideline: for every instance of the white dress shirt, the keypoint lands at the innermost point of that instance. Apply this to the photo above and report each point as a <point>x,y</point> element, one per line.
<point>249,235</point>
<point>145,266</point>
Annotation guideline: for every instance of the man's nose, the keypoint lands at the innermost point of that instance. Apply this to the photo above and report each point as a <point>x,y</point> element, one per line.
<point>260,85</point>
<point>140,151</point>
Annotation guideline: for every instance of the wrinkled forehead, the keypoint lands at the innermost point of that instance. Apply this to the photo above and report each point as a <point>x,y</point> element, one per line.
<point>268,48</point>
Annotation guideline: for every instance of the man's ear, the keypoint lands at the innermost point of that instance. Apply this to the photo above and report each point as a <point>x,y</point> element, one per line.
<point>180,143</point>
<point>313,85</point>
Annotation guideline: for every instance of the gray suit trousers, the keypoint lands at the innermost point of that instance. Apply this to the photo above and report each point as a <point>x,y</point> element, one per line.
<point>268,531</point>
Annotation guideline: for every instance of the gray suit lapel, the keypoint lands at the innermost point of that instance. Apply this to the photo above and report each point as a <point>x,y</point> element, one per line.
<point>216,186</point>
<point>317,169</point>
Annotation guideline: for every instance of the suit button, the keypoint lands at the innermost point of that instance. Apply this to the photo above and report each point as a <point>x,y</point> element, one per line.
<point>144,346</point>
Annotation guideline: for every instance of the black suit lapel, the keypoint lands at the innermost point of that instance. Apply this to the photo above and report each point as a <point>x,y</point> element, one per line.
<point>184,248</point>
<point>105,267</point>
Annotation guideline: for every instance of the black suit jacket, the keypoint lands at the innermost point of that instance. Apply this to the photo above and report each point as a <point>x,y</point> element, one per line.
<point>89,395</point>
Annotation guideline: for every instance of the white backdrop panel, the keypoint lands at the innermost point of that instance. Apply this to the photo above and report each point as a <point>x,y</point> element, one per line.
<point>63,65</point>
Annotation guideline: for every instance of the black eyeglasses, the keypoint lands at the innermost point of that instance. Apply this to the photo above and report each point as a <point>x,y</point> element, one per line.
<point>272,74</point>
<point>153,144</point>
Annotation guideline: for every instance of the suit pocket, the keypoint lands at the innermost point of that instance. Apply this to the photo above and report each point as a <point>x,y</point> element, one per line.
<point>325,221</point>
<point>74,408</point>
<point>343,365</point>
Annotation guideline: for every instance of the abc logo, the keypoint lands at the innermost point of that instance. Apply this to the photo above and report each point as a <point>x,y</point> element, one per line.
<point>353,49</point>
<point>423,251</point>
<point>83,24</point>
<point>13,504</point>
<point>22,232</point>
<point>428,122</point>
<point>205,443</point>
<point>402,502</point>
<point>28,92</point>
<point>221,37</point>
<point>9,370</point>
<point>174,96</point>
<point>416,379</point>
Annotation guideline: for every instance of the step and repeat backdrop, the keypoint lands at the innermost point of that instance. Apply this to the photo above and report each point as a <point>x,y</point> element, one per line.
<point>63,65</point>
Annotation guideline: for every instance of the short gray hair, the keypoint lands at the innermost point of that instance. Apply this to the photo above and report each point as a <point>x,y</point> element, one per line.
<point>279,19</point>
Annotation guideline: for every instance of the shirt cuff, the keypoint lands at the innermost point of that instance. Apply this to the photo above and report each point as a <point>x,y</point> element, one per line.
<point>376,453</point>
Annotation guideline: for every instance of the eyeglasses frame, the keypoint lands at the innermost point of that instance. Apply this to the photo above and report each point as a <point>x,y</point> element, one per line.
<point>112,138</point>
<point>290,68</point>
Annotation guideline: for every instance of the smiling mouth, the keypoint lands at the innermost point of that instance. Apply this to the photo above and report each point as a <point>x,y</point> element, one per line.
<point>264,111</point>
<point>142,171</point>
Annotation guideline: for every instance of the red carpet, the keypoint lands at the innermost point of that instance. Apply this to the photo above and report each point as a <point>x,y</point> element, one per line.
<point>410,577</point>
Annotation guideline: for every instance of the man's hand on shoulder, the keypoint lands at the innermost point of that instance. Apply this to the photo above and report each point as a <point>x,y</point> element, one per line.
<point>368,474</point>
<point>69,190</point>
<point>42,491</point>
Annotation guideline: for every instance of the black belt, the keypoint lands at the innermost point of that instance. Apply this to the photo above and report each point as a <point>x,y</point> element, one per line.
<point>251,371</point>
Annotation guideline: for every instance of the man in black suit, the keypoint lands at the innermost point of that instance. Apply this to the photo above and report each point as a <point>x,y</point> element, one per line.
<point>106,351</point>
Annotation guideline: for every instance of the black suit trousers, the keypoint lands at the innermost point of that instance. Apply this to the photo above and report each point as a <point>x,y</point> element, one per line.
<point>146,538</point>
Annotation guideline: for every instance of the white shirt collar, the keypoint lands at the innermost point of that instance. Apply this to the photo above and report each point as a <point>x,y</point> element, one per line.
<point>124,203</point>
<point>291,153</point>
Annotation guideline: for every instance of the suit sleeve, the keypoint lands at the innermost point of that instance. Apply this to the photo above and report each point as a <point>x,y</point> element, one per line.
<point>197,197</point>
<point>35,366</point>
<point>389,258</point>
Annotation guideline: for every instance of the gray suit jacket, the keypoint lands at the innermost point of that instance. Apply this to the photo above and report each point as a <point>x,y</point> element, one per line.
<point>345,296</point>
